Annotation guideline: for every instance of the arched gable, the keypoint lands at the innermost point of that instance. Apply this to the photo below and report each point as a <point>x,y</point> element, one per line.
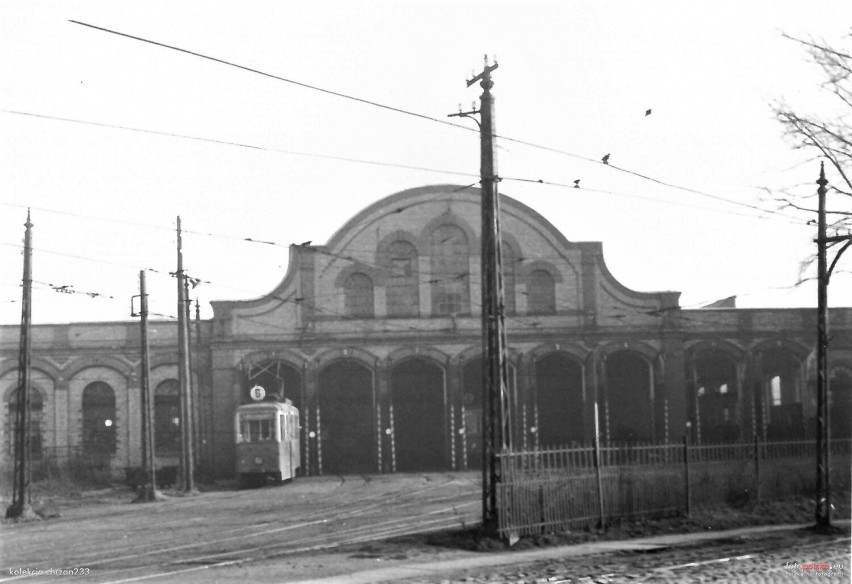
<point>474,351</point>
<point>571,351</point>
<point>450,218</point>
<point>728,348</point>
<point>799,350</point>
<point>646,351</point>
<point>429,353</point>
<point>550,267</point>
<point>7,393</point>
<point>255,358</point>
<point>124,368</point>
<point>399,235</point>
<point>36,363</point>
<point>356,267</point>
<point>325,358</point>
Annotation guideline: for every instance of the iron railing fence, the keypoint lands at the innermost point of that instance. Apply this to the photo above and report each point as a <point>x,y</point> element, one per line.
<point>561,488</point>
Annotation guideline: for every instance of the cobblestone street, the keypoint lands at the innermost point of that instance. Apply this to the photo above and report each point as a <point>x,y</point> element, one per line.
<point>792,556</point>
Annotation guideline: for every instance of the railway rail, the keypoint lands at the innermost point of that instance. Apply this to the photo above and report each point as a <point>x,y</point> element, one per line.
<point>128,543</point>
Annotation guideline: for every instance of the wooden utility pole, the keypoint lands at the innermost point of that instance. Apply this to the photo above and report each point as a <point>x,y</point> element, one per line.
<point>187,458</point>
<point>21,503</point>
<point>495,411</point>
<point>822,510</point>
<point>149,490</point>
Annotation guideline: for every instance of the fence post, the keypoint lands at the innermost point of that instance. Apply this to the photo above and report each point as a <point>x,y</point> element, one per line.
<point>757,468</point>
<point>598,468</point>
<point>686,473</point>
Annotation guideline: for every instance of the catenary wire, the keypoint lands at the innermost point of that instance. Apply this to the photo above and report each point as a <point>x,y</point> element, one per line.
<point>414,114</point>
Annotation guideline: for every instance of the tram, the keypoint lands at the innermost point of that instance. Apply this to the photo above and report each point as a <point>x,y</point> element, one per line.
<point>267,442</point>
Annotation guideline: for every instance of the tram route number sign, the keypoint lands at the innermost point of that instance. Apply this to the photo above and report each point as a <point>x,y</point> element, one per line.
<point>257,393</point>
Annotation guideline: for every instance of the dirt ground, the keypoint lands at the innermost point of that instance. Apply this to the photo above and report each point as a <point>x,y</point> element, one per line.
<point>61,503</point>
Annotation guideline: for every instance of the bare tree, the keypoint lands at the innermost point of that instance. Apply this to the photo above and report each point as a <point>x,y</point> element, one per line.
<point>828,136</point>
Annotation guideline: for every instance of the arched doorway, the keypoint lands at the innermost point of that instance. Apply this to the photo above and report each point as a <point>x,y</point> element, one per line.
<point>346,418</point>
<point>99,424</point>
<point>472,385</point>
<point>714,403</point>
<point>167,439</point>
<point>559,396</point>
<point>281,380</point>
<point>418,402</point>
<point>629,397</point>
<point>36,415</point>
<point>780,400</point>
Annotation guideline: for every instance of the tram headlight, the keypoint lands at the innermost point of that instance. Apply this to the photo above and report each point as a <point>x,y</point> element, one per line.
<point>258,460</point>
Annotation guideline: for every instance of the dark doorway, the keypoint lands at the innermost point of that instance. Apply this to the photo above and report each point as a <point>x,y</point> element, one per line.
<point>417,398</point>
<point>347,418</point>
<point>559,385</point>
<point>716,410</point>
<point>472,402</point>
<point>781,398</point>
<point>629,398</point>
<point>99,421</point>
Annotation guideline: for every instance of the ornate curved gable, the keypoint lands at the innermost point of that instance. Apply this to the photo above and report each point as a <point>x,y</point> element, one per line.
<point>415,255</point>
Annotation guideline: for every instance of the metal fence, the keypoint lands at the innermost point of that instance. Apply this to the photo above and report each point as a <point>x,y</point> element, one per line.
<point>561,488</point>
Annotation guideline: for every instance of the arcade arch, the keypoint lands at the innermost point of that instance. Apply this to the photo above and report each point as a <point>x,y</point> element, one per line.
<point>418,401</point>
<point>345,418</point>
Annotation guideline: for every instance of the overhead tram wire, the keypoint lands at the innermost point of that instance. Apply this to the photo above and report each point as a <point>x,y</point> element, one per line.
<point>242,145</point>
<point>343,159</point>
<point>773,212</point>
<point>413,114</point>
<point>278,77</point>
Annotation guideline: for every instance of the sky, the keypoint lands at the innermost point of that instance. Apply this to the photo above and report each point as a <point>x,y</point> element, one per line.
<point>108,139</point>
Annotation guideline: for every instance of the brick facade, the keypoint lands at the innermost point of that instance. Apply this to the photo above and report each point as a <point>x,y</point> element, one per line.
<point>375,336</point>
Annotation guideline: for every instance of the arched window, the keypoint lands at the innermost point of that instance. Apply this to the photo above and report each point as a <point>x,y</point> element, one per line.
<point>450,277</point>
<point>167,417</point>
<point>541,293</point>
<point>403,286</point>
<point>36,409</point>
<point>98,419</point>
<point>358,296</point>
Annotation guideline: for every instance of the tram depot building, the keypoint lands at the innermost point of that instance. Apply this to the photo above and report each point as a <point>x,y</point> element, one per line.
<point>376,338</point>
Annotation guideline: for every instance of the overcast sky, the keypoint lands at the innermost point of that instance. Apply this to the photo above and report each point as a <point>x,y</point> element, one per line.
<point>108,139</point>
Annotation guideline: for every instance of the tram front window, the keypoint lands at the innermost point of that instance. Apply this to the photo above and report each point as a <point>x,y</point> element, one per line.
<point>257,430</point>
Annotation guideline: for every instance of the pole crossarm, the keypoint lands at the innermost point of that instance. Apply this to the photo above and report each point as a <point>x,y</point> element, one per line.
<point>485,74</point>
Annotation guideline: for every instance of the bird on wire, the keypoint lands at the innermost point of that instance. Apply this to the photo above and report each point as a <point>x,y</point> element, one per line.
<point>605,159</point>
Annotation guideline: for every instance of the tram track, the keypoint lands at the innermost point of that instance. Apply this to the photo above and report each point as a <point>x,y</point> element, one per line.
<point>291,524</point>
<point>320,542</point>
<point>239,501</point>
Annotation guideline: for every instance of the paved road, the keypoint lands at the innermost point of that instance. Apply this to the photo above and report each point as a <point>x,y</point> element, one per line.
<point>759,556</point>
